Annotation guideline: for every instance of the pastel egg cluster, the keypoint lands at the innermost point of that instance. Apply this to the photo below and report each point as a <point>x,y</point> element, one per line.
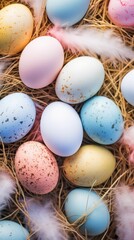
<point>62,128</point>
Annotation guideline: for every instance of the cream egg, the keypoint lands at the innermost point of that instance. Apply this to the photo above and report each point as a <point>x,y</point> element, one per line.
<point>90,166</point>
<point>80,79</point>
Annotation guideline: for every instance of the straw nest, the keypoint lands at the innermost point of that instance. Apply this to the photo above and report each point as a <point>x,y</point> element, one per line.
<point>96,16</point>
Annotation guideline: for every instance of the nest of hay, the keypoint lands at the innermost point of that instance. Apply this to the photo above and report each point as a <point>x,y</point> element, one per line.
<point>96,16</point>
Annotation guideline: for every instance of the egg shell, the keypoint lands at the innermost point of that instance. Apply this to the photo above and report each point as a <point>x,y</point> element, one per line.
<point>102,120</point>
<point>40,62</point>
<point>79,79</point>
<point>16,27</point>
<point>127,87</point>
<point>10,230</point>
<point>36,167</point>
<point>90,166</point>
<point>61,128</point>
<point>121,12</point>
<point>67,12</point>
<point>17,116</point>
<point>82,201</point>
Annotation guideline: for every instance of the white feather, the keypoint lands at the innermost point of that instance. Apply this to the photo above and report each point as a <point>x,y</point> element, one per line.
<point>106,43</point>
<point>7,188</point>
<point>128,137</point>
<point>44,222</point>
<point>3,65</point>
<point>38,7</point>
<point>128,140</point>
<point>124,212</point>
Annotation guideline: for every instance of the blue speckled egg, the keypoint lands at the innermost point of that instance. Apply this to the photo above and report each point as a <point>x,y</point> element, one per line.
<point>84,202</point>
<point>102,120</point>
<point>67,12</point>
<point>17,116</point>
<point>10,230</point>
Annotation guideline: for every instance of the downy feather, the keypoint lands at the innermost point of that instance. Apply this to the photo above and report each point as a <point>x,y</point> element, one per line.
<point>124,212</point>
<point>86,39</point>
<point>44,222</point>
<point>128,140</point>
<point>7,188</point>
<point>38,7</point>
<point>3,65</point>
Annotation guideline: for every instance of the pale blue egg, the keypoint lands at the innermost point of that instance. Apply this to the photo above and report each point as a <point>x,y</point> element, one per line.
<point>85,202</point>
<point>10,230</point>
<point>66,12</point>
<point>102,120</point>
<point>17,116</point>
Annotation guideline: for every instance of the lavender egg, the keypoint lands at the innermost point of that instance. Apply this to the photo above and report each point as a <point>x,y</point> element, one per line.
<point>17,116</point>
<point>102,120</point>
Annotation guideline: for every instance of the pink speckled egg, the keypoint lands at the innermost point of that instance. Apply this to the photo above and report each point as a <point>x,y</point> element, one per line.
<point>36,167</point>
<point>40,62</point>
<point>121,13</point>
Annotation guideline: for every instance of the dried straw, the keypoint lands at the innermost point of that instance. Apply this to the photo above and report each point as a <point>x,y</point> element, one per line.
<point>96,16</point>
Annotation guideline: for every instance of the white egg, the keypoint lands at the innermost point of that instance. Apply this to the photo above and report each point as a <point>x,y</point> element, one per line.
<point>61,129</point>
<point>80,79</point>
<point>127,87</point>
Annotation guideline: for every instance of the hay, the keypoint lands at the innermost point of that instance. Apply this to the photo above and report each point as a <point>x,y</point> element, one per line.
<point>96,16</point>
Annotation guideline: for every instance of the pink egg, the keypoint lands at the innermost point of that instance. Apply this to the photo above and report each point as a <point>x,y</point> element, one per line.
<point>41,61</point>
<point>121,12</point>
<point>36,167</point>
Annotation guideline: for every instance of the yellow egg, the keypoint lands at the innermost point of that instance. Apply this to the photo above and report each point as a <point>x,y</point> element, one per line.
<point>90,166</point>
<point>16,27</point>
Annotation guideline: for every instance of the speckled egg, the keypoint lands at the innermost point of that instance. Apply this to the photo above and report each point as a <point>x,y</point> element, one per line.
<point>102,120</point>
<point>36,167</point>
<point>85,204</point>
<point>127,87</point>
<point>16,27</point>
<point>10,230</point>
<point>121,12</point>
<point>40,62</point>
<point>90,166</point>
<point>67,12</point>
<point>79,79</point>
<point>61,129</point>
<point>17,116</point>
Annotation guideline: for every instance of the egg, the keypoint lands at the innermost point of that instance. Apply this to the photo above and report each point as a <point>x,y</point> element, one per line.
<point>83,202</point>
<point>10,230</point>
<point>36,167</point>
<point>17,116</point>
<point>61,128</point>
<point>67,12</point>
<point>121,13</point>
<point>127,87</point>
<point>16,28</point>
<point>102,120</point>
<point>79,79</point>
<point>90,166</point>
<point>40,62</point>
